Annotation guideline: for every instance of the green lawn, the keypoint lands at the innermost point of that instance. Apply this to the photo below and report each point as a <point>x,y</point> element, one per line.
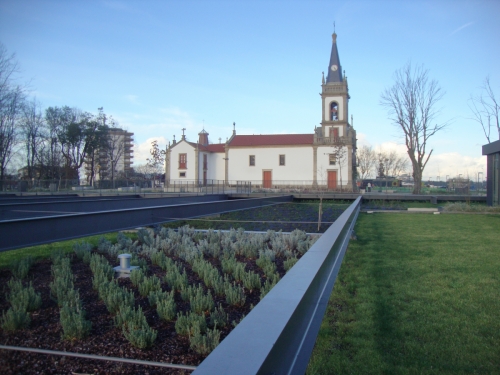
<point>416,294</point>
<point>44,251</point>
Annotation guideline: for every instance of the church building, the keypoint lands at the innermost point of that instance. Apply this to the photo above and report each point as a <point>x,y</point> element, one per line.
<point>326,157</point>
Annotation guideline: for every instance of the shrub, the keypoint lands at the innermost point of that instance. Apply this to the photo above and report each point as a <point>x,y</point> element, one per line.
<point>204,344</point>
<point>239,271</point>
<point>156,296</point>
<point>201,302</point>
<point>149,284</point>
<point>103,245</point>
<point>175,279</point>
<point>73,323</point>
<point>187,324</point>
<point>251,281</point>
<point>128,315</point>
<point>235,295</point>
<point>218,317</point>
<point>117,297</point>
<point>140,337</point>
<point>268,285</point>
<point>229,264</point>
<point>83,251</point>
<point>289,263</point>
<point>15,319</point>
<point>190,291</point>
<point>136,277</point>
<point>57,256</point>
<point>166,307</point>
<point>21,267</point>
<point>23,299</point>
<point>63,280</point>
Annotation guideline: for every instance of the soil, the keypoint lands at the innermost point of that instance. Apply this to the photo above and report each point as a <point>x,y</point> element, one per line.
<point>105,339</point>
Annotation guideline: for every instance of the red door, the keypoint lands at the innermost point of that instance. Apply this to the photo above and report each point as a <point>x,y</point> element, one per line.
<point>266,179</point>
<point>332,179</point>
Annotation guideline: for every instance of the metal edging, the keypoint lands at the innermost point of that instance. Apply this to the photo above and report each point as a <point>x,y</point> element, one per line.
<point>278,335</point>
<point>97,357</point>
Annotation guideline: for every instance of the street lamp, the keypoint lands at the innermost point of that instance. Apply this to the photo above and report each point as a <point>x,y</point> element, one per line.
<point>479,182</point>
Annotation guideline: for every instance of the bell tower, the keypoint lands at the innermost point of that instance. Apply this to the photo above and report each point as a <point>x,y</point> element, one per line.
<point>334,98</point>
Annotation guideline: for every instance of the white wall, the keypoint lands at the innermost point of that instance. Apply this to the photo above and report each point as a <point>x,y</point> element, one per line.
<point>324,166</point>
<point>216,166</point>
<point>298,163</point>
<point>182,148</point>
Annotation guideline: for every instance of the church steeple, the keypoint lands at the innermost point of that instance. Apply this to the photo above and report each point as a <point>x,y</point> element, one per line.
<point>334,69</point>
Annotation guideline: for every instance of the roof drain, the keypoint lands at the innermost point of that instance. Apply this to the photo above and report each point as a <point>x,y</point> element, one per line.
<point>124,269</point>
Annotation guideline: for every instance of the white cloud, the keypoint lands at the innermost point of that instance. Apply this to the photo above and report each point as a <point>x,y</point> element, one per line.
<point>142,150</point>
<point>449,164</point>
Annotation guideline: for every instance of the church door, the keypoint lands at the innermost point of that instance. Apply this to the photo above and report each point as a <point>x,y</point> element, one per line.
<point>332,179</point>
<point>266,179</point>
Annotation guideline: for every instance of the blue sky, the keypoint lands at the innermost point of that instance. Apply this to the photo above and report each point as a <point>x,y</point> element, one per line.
<point>159,66</point>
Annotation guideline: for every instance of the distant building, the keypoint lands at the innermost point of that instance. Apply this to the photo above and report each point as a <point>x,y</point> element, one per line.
<point>118,153</point>
<point>325,157</point>
<point>492,152</point>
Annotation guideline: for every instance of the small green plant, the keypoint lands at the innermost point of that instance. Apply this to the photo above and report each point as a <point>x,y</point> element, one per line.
<point>136,277</point>
<point>83,251</point>
<point>251,281</point>
<point>190,291</point>
<point>289,263</point>
<point>15,319</point>
<point>204,344</point>
<point>148,285</point>
<point>140,337</point>
<point>116,297</point>
<point>218,317</point>
<point>235,295</point>
<point>21,267</point>
<point>202,302</point>
<point>166,307</point>
<point>269,284</point>
<point>21,298</point>
<point>73,322</point>
<point>187,324</point>
<point>175,279</point>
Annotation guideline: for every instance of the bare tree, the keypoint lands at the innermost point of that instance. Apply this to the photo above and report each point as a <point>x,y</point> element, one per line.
<point>11,101</point>
<point>157,158</point>
<point>486,109</point>
<point>114,148</point>
<point>411,104</point>
<point>366,161</point>
<point>32,135</point>
<point>340,154</point>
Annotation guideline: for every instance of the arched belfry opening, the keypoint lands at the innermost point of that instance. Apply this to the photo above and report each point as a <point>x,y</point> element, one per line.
<point>334,111</point>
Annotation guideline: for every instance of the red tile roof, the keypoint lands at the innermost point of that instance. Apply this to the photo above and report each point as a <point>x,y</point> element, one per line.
<point>272,140</point>
<point>214,147</point>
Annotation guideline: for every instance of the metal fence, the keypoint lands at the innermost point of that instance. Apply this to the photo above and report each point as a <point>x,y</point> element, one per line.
<point>152,186</point>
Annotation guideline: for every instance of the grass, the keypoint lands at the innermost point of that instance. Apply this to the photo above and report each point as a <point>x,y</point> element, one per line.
<point>44,251</point>
<point>417,294</point>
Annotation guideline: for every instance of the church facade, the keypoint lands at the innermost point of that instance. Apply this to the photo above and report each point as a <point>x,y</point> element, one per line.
<point>326,157</point>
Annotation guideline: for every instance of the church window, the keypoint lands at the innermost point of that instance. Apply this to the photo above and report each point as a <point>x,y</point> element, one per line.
<point>282,159</point>
<point>182,161</point>
<point>252,160</point>
<point>334,111</point>
<point>332,159</point>
<point>182,174</point>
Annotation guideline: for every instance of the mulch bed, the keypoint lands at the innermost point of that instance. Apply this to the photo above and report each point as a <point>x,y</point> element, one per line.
<point>105,339</point>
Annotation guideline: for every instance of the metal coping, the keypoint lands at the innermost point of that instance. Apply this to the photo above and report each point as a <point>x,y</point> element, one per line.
<point>278,335</point>
<point>97,357</point>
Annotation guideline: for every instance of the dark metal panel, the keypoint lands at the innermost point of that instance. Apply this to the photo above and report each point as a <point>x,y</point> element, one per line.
<point>491,148</point>
<point>28,232</point>
<point>10,211</point>
<point>278,335</point>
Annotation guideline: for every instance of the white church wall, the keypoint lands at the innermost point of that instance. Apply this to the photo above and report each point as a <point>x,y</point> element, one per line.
<point>298,163</point>
<point>324,166</point>
<point>216,166</point>
<point>182,148</point>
